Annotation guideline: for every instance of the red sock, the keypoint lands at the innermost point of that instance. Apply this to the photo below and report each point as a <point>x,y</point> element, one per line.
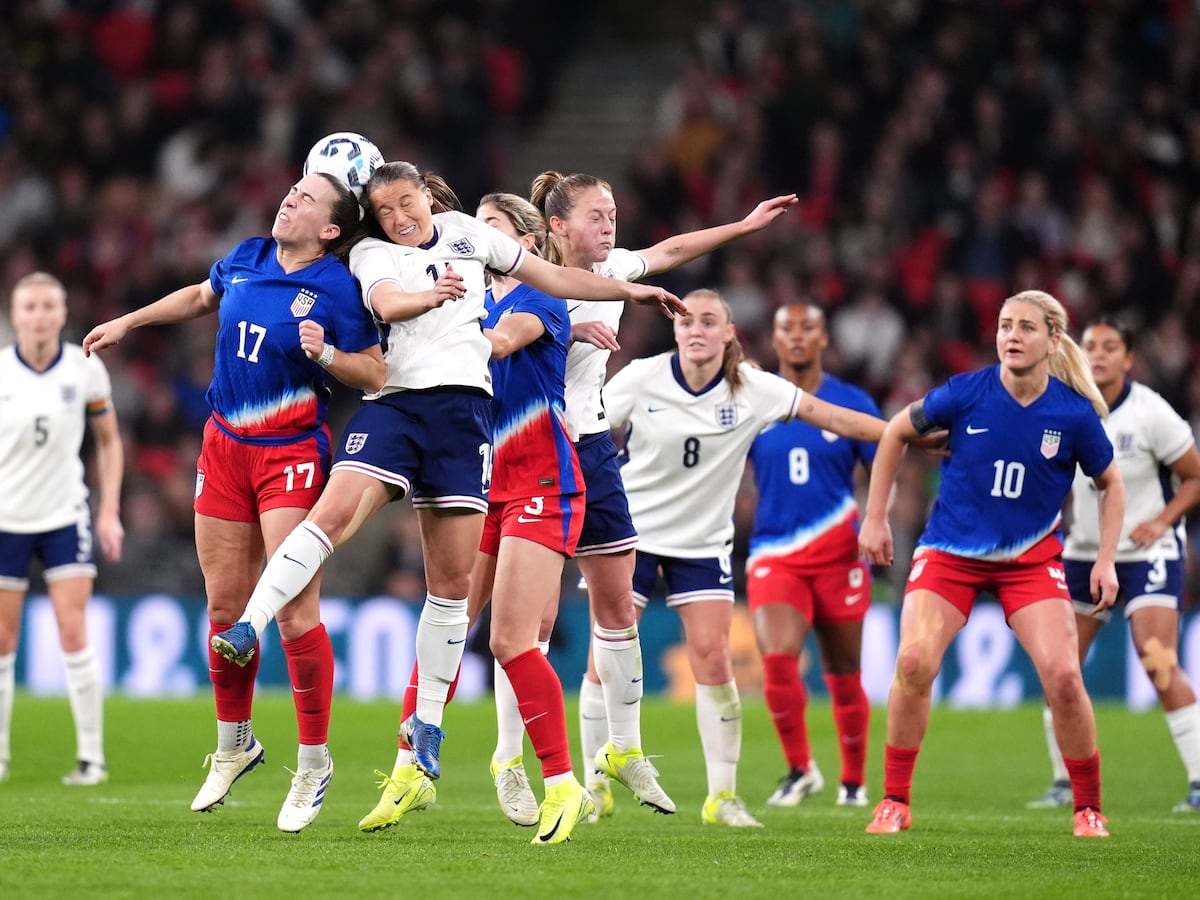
<point>233,685</point>
<point>540,700</point>
<point>786,701</point>
<point>409,705</point>
<point>851,715</point>
<point>310,668</point>
<point>898,765</point>
<point>1085,780</point>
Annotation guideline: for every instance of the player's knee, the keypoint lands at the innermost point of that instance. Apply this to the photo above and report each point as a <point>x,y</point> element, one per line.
<point>915,666</point>
<point>1160,662</point>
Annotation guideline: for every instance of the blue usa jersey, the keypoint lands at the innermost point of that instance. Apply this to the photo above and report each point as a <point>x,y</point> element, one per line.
<point>1010,466</point>
<point>805,481</point>
<point>264,389</point>
<point>532,453</point>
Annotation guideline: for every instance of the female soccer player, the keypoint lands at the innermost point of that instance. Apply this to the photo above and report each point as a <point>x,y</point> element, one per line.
<point>582,217</point>
<point>534,516</point>
<point>50,389</point>
<point>288,312</point>
<point>427,433</point>
<point>689,418</point>
<point>804,572</point>
<point>1017,432</point>
<point>1148,437</point>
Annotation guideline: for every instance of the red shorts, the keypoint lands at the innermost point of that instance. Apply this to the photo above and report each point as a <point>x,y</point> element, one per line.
<point>826,593</point>
<point>960,580</point>
<point>553,522</point>
<point>237,482</point>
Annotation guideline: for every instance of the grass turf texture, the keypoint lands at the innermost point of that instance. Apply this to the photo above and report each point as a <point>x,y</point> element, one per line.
<point>972,836</point>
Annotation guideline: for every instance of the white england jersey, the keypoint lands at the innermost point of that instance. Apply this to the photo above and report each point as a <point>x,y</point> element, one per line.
<point>1147,436</point>
<point>43,416</point>
<point>444,346</point>
<point>587,365</point>
<point>685,451</point>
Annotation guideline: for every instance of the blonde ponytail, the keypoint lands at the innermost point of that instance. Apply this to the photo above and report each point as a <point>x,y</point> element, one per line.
<point>1069,363</point>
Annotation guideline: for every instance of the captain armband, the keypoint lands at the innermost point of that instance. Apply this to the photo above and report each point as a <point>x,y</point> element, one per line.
<point>920,421</point>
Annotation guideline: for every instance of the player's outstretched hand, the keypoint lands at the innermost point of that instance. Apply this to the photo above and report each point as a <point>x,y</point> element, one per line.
<point>108,334</point>
<point>649,295</point>
<point>597,334</point>
<point>769,210</point>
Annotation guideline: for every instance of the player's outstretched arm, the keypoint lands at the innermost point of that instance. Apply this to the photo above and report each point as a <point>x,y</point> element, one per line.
<point>675,251</point>
<point>189,302</point>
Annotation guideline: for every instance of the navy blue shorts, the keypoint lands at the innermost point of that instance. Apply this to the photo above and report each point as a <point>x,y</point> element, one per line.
<point>607,525</point>
<point>435,445</point>
<point>687,580</point>
<point>1151,582</point>
<point>64,553</point>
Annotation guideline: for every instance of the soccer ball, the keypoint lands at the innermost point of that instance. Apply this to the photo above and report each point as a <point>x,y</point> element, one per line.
<point>346,156</point>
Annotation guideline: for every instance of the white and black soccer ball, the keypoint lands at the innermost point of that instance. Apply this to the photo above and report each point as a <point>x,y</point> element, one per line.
<point>347,156</point>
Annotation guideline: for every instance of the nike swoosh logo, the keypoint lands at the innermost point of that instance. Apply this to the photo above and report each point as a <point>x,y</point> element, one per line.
<point>635,680</point>
<point>550,834</point>
<point>525,520</point>
<point>973,430</point>
<point>730,719</point>
<point>296,561</point>
<point>533,718</point>
<point>238,279</point>
<point>654,409</point>
<point>571,309</point>
<point>297,690</point>
<point>459,641</point>
<point>725,579</point>
<point>851,599</point>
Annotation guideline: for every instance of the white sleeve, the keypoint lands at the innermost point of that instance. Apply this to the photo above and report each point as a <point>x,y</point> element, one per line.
<point>1170,435</point>
<point>622,264</point>
<point>772,398</point>
<point>371,262</point>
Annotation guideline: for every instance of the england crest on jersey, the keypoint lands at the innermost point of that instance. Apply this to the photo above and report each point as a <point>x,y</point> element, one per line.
<point>727,414</point>
<point>462,247</point>
<point>1050,442</point>
<point>355,442</point>
<point>68,394</point>
<point>303,303</point>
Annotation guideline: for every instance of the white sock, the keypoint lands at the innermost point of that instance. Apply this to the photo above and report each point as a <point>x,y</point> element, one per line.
<point>1185,731</point>
<point>233,737</point>
<point>1058,768</point>
<point>441,638</point>
<point>719,718</point>
<point>86,696</point>
<point>288,572</point>
<point>8,688</point>
<point>312,756</point>
<point>593,728</point>
<point>404,757</point>
<point>618,657</point>
<point>510,729</point>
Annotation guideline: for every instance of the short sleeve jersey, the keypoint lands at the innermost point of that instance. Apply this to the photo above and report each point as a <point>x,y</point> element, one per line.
<point>1147,437</point>
<point>685,450</point>
<point>533,455</point>
<point>1010,466</point>
<point>443,347</point>
<point>587,365</point>
<point>264,389</point>
<point>805,480</point>
<point>42,421</point>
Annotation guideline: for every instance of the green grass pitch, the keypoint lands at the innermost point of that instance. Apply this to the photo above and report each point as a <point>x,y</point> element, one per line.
<point>972,836</point>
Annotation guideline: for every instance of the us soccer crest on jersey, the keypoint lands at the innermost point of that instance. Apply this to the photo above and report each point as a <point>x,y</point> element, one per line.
<point>303,303</point>
<point>1050,442</point>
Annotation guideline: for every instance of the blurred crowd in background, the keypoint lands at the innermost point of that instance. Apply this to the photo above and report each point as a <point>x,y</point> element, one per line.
<point>946,154</point>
